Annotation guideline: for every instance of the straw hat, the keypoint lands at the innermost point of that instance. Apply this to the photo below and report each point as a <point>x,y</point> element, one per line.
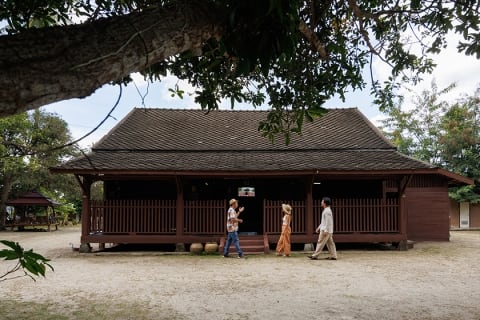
<point>286,208</point>
<point>232,201</point>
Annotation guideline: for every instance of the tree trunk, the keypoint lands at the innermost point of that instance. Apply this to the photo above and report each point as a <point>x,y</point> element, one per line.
<point>42,66</point>
<point>5,191</point>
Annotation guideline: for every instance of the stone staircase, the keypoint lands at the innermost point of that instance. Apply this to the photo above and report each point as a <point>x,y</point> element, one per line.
<point>249,245</point>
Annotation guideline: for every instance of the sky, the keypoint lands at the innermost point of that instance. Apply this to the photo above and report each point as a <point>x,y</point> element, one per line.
<point>83,115</point>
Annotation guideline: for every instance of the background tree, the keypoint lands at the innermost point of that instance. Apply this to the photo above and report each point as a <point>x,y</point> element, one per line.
<point>460,141</point>
<point>441,133</point>
<point>30,143</point>
<point>415,130</point>
<point>292,54</point>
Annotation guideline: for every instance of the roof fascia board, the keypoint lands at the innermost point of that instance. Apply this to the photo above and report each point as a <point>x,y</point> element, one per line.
<point>109,174</point>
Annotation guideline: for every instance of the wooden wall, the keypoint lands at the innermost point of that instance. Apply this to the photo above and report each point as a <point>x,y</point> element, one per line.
<point>475,215</point>
<point>454,214</point>
<point>428,210</point>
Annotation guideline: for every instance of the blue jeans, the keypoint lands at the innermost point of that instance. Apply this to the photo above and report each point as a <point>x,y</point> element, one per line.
<point>233,237</point>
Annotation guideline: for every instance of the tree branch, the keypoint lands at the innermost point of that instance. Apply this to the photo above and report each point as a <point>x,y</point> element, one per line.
<point>42,66</point>
<point>313,39</point>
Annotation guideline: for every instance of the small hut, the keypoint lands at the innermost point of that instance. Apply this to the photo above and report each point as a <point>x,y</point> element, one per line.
<point>32,210</point>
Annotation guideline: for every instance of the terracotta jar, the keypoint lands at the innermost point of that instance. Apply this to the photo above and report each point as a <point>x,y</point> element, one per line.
<point>211,247</point>
<point>196,248</point>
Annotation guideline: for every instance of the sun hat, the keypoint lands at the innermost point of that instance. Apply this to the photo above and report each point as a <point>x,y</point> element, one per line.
<point>287,208</point>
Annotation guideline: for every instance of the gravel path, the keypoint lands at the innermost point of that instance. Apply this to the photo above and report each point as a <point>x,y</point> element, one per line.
<point>434,280</point>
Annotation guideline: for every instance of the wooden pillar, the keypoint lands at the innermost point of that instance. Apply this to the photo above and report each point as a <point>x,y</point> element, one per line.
<point>403,204</point>
<point>403,245</point>
<point>180,207</point>
<point>86,214</point>
<point>309,205</point>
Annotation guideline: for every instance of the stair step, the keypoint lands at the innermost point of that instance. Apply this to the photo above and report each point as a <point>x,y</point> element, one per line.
<point>249,245</point>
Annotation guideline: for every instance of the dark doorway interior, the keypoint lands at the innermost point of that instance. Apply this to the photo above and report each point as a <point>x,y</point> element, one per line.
<point>252,216</point>
<point>271,189</point>
<point>249,193</point>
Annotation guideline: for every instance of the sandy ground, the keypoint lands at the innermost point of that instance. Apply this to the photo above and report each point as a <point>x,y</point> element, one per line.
<point>431,281</point>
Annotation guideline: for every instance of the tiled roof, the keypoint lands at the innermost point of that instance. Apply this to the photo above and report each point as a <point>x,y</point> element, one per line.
<point>164,129</point>
<point>164,140</point>
<point>289,160</point>
<point>33,198</point>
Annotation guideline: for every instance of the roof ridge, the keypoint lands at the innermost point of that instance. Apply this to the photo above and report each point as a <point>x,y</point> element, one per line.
<point>226,110</point>
<point>246,150</point>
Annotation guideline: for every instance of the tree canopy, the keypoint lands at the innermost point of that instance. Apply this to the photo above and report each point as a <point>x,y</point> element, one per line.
<point>442,133</point>
<point>291,54</point>
<point>30,143</point>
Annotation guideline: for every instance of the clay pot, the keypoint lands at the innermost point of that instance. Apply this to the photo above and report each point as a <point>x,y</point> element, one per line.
<point>211,247</point>
<point>196,248</point>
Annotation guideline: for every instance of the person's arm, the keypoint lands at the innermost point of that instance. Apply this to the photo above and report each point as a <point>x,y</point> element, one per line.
<point>329,223</point>
<point>240,210</point>
<point>233,217</point>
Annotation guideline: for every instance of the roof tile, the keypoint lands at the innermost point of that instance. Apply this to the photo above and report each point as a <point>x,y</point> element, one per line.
<point>161,140</point>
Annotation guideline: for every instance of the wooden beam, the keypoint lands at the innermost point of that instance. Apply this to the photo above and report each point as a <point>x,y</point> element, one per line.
<point>404,183</point>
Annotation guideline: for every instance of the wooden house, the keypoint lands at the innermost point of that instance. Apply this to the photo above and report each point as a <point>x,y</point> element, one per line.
<point>168,176</point>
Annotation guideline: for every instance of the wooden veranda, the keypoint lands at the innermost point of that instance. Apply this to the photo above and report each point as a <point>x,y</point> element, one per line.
<point>157,221</point>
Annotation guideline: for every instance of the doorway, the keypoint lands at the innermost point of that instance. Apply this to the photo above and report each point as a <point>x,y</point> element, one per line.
<point>252,216</point>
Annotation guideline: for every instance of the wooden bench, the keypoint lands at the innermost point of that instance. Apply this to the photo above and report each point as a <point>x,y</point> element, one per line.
<point>33,222</point>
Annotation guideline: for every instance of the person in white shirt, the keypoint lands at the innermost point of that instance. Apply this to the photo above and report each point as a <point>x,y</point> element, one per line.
<point>326,232</point>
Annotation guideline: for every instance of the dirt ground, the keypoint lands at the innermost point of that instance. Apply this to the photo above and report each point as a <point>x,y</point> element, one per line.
<point>434,280</point>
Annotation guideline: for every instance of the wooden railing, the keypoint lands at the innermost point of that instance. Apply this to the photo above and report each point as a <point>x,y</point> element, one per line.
<point>272,216</point>
<point>133,216</point>
<point>350,215</point>
<point>362,215</point>
<point>207,217</point>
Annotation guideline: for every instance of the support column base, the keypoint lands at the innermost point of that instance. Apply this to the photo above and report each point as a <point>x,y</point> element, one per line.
<point>308,247</point>
<point>85,248</point>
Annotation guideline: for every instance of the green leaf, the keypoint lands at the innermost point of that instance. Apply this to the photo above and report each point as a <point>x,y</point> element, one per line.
<point>8,255</point>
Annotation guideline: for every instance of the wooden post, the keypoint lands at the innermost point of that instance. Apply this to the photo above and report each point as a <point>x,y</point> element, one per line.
<point>86,214</point>
<point>403,245</point>
<point>309,207</point>
<point>179,207</point>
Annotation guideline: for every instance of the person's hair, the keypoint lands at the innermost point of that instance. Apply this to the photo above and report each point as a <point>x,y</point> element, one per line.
<point>232,201</point>
<point>327,201</point>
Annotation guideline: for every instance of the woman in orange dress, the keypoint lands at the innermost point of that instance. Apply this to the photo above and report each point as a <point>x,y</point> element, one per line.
<point>283,244</point>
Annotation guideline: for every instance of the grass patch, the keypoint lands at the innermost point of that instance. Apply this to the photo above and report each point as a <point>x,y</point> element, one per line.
<point>83,310</point>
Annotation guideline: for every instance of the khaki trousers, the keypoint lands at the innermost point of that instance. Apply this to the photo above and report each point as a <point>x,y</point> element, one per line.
<point>323,240</point>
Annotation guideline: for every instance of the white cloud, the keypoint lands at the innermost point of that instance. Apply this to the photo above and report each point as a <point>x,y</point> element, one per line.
<point>451,66</point>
